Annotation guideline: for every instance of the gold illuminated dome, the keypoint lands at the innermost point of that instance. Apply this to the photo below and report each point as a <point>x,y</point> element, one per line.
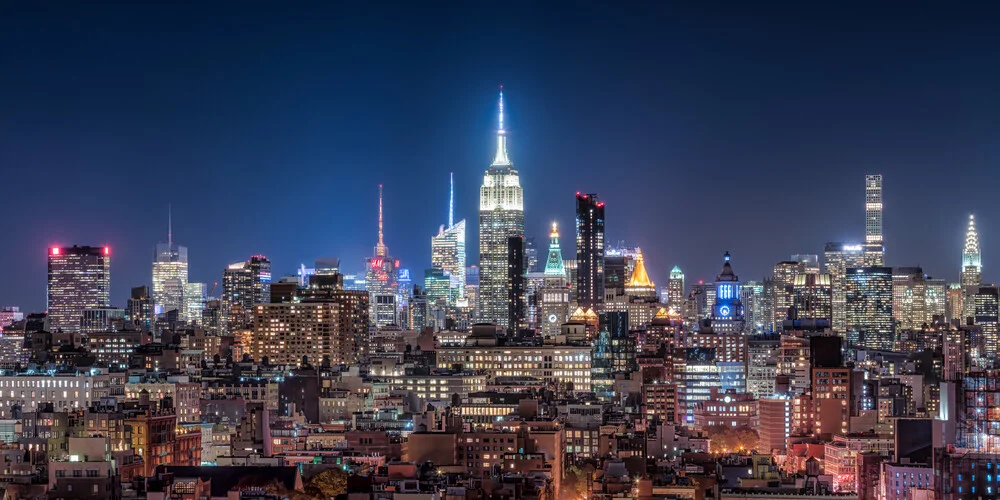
<point>639,277</point>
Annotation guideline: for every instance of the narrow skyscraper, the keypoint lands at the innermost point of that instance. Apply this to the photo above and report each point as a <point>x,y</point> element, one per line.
<point>874,245</point>
<point>972,260</point>
<point>79,278</point>
<point>382,279</point>
<point>448,252</point>
<point>170,274</point>
<point>501,216</point>
<point>675,290</point>
<point>589,251</point>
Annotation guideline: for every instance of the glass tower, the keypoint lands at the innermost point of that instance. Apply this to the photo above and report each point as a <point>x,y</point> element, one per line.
<point>589,250</point>
<point>79,278</point>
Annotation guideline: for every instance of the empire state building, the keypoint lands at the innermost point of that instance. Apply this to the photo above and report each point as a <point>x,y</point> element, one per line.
<point>501,215</point>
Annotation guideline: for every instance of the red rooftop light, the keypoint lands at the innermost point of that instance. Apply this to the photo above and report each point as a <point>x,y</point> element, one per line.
<point>107,250</point>
<point>55,250</point>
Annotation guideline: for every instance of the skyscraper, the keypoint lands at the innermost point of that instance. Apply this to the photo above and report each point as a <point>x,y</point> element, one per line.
<point>909,297</point>
<point>553,298</point>
<point>675,290</point>
<point>813,296</point>
<point>589,250</point>
<point>972,269</point>
<point>987,316</point>
<point>79,278</point>
<point>874,245</point>
<point>139,308</point>
<point>260,270</point>
<point>501,215</point>
<point>972,260</point>
<point>194,302</point>
<point>869,308</point>
<point>237,297</point>
<point>381,278</point>
<point>448,253</point>
<point>838,257</point>
<point>514,286</point>
<point>783,289</point>
<point>170,275</point>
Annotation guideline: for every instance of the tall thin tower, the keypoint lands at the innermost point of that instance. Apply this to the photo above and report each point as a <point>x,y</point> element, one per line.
<point>501,215</point>
<point>972,260</point>
<point>874,245</point>
<point>589,251</point>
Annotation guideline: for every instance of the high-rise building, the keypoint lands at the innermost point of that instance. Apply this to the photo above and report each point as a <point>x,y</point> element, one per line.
<point>675,290</point>
<point>874,245</point>
<point>237,297</point>
<point>813,296</point>
<point>783,288</point>
<point>448,253</point>
<point>987,317</point>
<point>501,215</point>
<point>727,313</point>
<point>589,251</point>
<point>170,275</point>
<point>79,278</point>
<point>260,271</point>
<point>553,298</point>
<point>9,315</point>
<point>194,302</point>
<point>515,285</point>
<point>972,269</point>
<point>381,278</point>
<point>838,257</point>
<point>936,301</point>
<point>972,260</point>
<point>909,297</point>
<point>139,308</point>
<point>754,305</point>
<point>809,262</point>
<point>869,308</point>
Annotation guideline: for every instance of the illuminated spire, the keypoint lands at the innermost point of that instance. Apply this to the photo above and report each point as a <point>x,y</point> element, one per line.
<point>639,279</point>
<point>501,158</point>
<point>451,201</point>
<point>170,226</point>
<point>380,248</point>
<point>971,255</point>
<point>554,265</point>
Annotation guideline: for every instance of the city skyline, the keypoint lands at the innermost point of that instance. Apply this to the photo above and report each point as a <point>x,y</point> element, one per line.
<point>558,152</point>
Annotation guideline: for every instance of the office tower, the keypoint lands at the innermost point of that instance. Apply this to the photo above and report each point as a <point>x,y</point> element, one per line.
<point>553,298</point>
<point>936,301</point>
<point>639,284</point>
<point>869,308</point>
<point>260,270</point>
<point>237,297</point>
<point>874,246</point>
<point>784,280</point>
<point>972,260</point>
<point>614,352</point>
<point>727,313</point>
<point>838,257</point>
<point>501,215</point>
<point>78,278</point>
<point>589,251</point>
<point>754,305</point>
<point>448,253</point>
<point>986,318</point>
<point>972,269</point>
<point>514,285</point>
<point>909,297</point>
<point>170,274</point>
<point>813,296</point>
<point>381,278</point>
<point>437,286</point>
<point>675,289</point>
<point>139,308</point>
<point>194,302</point>
<point>530,255</point>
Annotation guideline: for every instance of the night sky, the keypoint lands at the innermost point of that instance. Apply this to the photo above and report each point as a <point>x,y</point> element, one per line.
<point>705,129</point>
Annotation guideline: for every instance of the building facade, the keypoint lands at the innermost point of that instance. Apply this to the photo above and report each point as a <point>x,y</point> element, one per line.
<point>78,278</point>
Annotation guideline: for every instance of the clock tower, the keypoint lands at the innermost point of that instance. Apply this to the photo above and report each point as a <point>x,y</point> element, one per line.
<point>553,298</point>
<point>727,315</point>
